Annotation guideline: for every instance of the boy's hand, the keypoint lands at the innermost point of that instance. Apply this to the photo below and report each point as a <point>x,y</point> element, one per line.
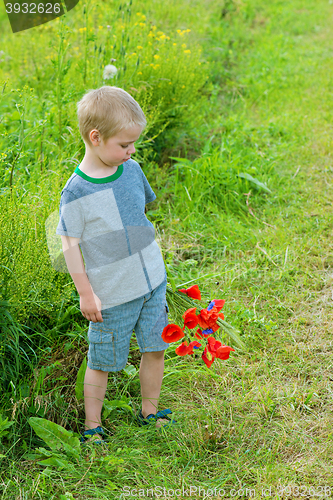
<point>90,306</point>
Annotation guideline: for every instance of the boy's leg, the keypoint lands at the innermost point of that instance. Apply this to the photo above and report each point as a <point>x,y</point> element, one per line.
<point>95,382</point>
<point>151,376</point>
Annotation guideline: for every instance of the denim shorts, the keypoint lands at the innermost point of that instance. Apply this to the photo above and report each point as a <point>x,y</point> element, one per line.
<point>109,340</point>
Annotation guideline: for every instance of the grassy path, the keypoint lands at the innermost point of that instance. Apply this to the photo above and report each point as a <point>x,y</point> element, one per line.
<point>282,397</point>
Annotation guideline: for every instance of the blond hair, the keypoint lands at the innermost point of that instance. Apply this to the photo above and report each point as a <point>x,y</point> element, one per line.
<point>109,110</point>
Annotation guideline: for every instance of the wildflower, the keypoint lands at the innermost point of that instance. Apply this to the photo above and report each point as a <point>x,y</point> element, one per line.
<point>190,318</point>
<point>216,348</point>
<point>109,71</point>
<point>223,352</point>
<point>187,52</point>
<point>172,333</point>
<point>184,349</point>
<point>139,47</point>
<point>216,303</point>
<point>193,291</point>
<point>156,66</point>
<point>108,27</point>
<point>184,45</point>
<point>208,331</point>
<point>139,73</point>
<point>142,24</point>
<point>208,358</point>
<point>156,56</point>
<point>174,44</point>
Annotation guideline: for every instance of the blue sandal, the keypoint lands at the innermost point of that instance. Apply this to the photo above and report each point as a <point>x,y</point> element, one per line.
<point>154,417</point>
<point>91,432</point>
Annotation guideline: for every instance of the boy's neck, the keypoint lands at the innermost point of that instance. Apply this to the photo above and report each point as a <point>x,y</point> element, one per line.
<point>92,166</point>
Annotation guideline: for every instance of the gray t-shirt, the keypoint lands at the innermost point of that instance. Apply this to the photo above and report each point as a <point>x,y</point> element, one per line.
<point>122,259</point>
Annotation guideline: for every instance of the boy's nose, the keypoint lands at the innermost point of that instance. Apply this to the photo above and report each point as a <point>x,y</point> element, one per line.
<point>131,150</point>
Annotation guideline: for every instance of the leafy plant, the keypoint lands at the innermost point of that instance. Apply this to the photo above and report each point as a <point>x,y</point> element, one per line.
<point>65,447</point>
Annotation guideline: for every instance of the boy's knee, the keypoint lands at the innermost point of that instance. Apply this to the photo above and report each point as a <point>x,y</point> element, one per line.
<point>154,354</point>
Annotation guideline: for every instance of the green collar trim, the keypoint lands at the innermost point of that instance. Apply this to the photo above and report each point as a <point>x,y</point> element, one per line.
<point>103,180</point>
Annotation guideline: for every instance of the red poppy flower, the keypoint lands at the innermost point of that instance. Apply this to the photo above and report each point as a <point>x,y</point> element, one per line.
<point>172,333</point>
<point>192,292</point>
<point>213,344</point>
<point>223,352</point>
<point>218,304</point>
<point>219,350</point>
<point>208,357</point>
<point>198,334</point>
<point>194,345</point>
<point>190,318</point>
<point>184,349</point>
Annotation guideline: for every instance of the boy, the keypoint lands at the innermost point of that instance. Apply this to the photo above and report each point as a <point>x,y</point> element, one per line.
<point>122,285</point>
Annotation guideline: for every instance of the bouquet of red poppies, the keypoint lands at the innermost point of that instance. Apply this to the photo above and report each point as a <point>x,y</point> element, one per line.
<point>205,323</point>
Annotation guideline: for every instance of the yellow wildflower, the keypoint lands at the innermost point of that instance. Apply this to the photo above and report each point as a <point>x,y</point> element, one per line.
<point>184,45</point>
<point>183,86</point>
<point>156,66</point>
<point>100,27</point>
<point>154,28</point>
<point>156,56</point>
<point>139,73</point>
<point>187,52</point>
<point>138,14</point>
<point>170,83</point>
<point>174,44</point>
<point>179,31</point>
<point>142,24</point>
<point>160,33</point>
<point>143,17</point>
<point>139,47</point>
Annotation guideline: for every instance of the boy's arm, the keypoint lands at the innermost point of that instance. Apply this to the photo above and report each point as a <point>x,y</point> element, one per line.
<point>90,304</point>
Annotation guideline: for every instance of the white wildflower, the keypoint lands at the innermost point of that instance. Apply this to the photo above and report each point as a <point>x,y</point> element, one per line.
<point>2,56</point>
<point>109,72</point>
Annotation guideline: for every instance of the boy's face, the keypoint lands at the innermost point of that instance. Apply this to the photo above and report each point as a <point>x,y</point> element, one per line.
<point>119,148</point>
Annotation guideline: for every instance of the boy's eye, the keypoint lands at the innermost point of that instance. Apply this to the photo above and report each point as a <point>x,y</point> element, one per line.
<point>126,146</point>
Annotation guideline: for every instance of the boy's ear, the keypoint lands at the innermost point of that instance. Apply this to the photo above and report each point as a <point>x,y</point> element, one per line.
<point>95,137</point>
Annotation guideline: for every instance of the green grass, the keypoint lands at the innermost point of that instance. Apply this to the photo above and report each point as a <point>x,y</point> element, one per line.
<point>262,419</point>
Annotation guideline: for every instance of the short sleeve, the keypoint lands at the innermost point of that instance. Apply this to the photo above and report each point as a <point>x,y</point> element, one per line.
<point>71,221</point>
<point>149,193</point>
